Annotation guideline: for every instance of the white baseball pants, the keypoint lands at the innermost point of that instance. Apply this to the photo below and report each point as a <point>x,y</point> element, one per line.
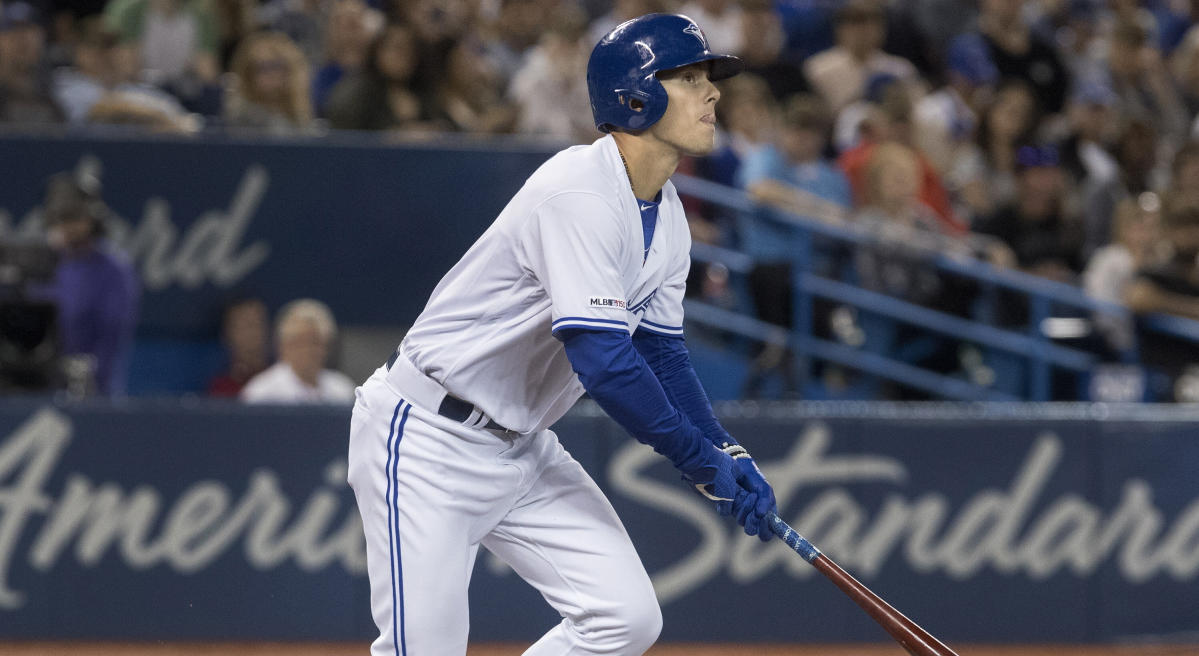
<point>431,490</point>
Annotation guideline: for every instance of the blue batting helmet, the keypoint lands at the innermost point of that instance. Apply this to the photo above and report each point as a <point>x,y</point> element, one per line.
<point>622,72</point>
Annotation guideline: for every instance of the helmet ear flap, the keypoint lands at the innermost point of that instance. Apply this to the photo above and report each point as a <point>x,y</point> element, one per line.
<point>640,108</point>
<point>633,100</point>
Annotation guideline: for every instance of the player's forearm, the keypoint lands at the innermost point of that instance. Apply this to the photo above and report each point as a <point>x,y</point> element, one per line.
<point>671,363</point>
<point>621,382</point>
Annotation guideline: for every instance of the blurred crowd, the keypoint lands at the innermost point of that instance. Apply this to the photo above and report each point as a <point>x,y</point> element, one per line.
<point>1056,137</point>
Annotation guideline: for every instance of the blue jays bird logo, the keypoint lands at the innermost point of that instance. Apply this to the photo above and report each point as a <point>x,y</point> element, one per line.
<point>694,31</point>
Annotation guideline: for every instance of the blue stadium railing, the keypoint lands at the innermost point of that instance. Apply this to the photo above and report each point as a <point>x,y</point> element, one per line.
<point>1023,360</point>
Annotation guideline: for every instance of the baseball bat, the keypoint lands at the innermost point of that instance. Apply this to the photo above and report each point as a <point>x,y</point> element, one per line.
<point>915,640</point>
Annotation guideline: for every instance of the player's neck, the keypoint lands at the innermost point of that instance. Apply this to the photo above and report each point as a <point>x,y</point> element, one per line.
<point>650,164</point>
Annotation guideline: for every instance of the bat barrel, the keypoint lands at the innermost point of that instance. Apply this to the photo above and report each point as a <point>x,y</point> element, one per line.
<point>915,640</point>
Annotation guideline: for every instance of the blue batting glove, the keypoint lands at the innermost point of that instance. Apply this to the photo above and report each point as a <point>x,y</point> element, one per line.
<point>754,508</point>
<point>718,482</point>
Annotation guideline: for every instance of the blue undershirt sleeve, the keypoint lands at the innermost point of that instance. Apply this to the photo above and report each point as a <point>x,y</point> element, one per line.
<point>668,358</point>
<point>619,380</point>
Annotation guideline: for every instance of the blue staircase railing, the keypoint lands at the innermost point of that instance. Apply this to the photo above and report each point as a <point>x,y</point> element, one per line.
<point>1025,354</point>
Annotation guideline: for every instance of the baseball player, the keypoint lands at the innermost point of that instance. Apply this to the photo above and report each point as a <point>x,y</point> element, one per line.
<point>577,285</point>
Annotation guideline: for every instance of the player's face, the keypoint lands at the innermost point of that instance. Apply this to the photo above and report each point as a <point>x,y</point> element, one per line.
<point>689,124</point>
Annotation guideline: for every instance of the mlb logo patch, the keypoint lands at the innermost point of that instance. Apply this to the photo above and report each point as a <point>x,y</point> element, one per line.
<point>604,302</point>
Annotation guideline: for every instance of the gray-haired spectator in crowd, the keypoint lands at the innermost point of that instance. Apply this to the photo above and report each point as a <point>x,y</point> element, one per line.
<point>304,332</point>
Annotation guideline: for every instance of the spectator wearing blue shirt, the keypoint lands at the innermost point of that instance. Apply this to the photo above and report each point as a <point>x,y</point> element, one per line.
<point>792,176</point>
<point>95,288</point>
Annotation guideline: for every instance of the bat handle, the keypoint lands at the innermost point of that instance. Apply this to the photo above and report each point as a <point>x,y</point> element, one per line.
<point>792,537</point>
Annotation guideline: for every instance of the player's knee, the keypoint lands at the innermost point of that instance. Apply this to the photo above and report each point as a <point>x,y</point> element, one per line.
<point>629,626</point>
<point>650,624</point>
<point>641,622</point>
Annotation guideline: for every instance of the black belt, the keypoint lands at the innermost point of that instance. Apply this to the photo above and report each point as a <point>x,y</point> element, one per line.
<point>454,408</point>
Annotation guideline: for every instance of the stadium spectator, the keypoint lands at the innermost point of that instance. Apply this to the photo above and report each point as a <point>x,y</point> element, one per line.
<point>470,94</point>
<point>1184,68</point>
<point>95,287</point>
<point>518,26</point>
<point>1093,116</point>
<point>906,38</point>
<point>384,95</point>
<point>939,21</point>
<point>1039,227</point>
<point>269,86</point>
<point>795,177</point>
<point>773,174</point>
<point>1093,119</point>
<point>1132,12</point>
<point>1142,81</point>
<point>302,21</point>
<point>1008,123</point>
<point>890,119</point>
<point>556,68</point>
<point>304,332</point>
<point>234,20</point>
<point>1074,26</point>
<point>907,234</point>
<point>244,334</point>
<point>437,23</point>
<point>25,96</point>
<point>840,73</point>
<point>99,88</point>
<point>1020,53</point>
<point>1183,190</point>
<point>349,31</point>
<point>746,117</point>
<point>1138,170</point>
<point>1169,287</point>
<point>947,123</point>
<point>893,178</point>
<point>1140,154</point>
<point>1111,270</point>
<point>174,39</point>
<point>762,42</point>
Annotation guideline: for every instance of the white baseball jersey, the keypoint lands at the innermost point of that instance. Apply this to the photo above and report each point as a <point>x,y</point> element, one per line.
<point>566,252</point>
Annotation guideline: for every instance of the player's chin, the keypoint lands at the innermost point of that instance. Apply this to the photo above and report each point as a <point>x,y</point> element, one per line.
<point>701,145</point>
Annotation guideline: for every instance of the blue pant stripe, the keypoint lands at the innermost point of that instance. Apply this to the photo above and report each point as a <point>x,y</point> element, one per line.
<point>395,502</point>
<point>392,520</point>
